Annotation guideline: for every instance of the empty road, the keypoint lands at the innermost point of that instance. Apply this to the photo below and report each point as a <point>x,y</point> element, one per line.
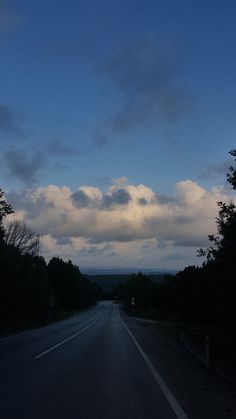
<point>101,364</point>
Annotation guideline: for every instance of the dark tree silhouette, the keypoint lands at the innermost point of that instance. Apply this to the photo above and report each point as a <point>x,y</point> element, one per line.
<point>231,176</point>
<point>223,249</point>
<point>18,234</point>
<point>5,209</point>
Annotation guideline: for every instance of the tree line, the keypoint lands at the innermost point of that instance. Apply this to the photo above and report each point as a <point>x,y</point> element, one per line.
<point>33,292</point>
<point>195,294</point>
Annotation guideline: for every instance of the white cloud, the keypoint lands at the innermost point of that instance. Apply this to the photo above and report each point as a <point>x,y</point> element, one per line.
<point>127,223</point>
<point>120,180</point>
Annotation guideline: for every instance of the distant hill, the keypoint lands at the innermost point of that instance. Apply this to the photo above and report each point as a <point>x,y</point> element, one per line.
<point>109,282</point>
<point>125,271</point>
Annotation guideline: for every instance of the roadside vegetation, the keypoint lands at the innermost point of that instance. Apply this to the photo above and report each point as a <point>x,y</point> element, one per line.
<point>197,301</point>
<point>32,292</point>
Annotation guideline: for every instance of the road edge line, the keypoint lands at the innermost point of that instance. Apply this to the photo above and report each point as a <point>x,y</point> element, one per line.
<point>180,413</point>
<point>45,327</point>
<point>66,340</point>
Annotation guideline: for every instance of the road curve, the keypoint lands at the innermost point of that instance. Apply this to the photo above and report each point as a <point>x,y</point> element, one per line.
<point>90,366</point>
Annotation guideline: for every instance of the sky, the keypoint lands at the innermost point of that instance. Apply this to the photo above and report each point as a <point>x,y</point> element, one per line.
<point>116,122</point>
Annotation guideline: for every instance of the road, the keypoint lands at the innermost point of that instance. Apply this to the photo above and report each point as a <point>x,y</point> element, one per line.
<point>101,364</point>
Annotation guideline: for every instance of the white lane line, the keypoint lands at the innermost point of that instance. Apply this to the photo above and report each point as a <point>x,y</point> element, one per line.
<point>170,397</point>
<point>66,340</point>
<point>40,329</point>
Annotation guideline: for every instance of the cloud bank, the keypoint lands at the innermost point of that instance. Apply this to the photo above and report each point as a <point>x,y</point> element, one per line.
<point>19,165</point>
<point>9,121</point>
<point>125,220</point>
<point>149,78</point>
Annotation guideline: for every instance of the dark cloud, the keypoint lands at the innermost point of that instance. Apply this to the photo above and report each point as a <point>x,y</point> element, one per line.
<point>182,219</point>
<point>81,199</point>
<point>59,147</point>
<point>142,201</point>
<point>164,199</point>
<point>150,79</point>
<point>23,167</point>
<point>191,242</point>
<point>118,197</point>
<point>62,241</point>
<point>106,250</point>
<point>32,204</point>
<point>9,120</point>
<point>215,170</point>
<point>100,138</point>
<point>175,256</point>
<point>148,245</point>
<point>162,244</point>
<point>10,18</point>
<point>88,250</point>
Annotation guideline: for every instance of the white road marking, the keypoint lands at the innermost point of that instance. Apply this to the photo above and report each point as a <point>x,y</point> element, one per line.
<point>66,340</point>
<point>170,397</point>
<point>42,328</point>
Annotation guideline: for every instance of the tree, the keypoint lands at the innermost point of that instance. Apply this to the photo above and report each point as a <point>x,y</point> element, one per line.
<point>231,177</point>
<point>19,235</point>
<point>5,209</point>
<point>68,284</point>
<point>221,256</point>
<point>223,249</point>
<point>141,288</point>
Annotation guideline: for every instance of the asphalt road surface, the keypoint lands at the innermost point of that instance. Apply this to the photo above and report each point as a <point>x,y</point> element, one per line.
<point>101,364</point>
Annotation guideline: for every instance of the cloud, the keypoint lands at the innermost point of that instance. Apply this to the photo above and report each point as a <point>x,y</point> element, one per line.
<point>9,120</point>
<point>10,18</point>
<point>80,199</point>
<point>215,169</point>
<point>59,147</point>
<point>116,197</point>
<point>78,223</point>
<point>62,241</point>
<point>23,167</point>
<point>120,180</point>
<point>142,201</point>
<point>97,251</point>
<point>150,79</point>
<point>92,197</point>
<point>86,196</point>
<point>89,214</point>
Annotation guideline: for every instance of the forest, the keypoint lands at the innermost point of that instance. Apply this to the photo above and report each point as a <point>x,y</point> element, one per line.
<point>34,292</point>
<point>204,294</point>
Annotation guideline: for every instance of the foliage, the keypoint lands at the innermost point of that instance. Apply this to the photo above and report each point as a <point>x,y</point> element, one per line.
<point>18,234</point>
<point>72,290</point>
<point>140,287</point>
<point>5,209</point>
<point>24,285</point>
<point>30,289</point>
<point>197,294</point>
<point>231,176</point>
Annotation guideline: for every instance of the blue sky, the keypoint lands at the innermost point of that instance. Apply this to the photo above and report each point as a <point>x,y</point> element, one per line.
<point>102,97</point>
